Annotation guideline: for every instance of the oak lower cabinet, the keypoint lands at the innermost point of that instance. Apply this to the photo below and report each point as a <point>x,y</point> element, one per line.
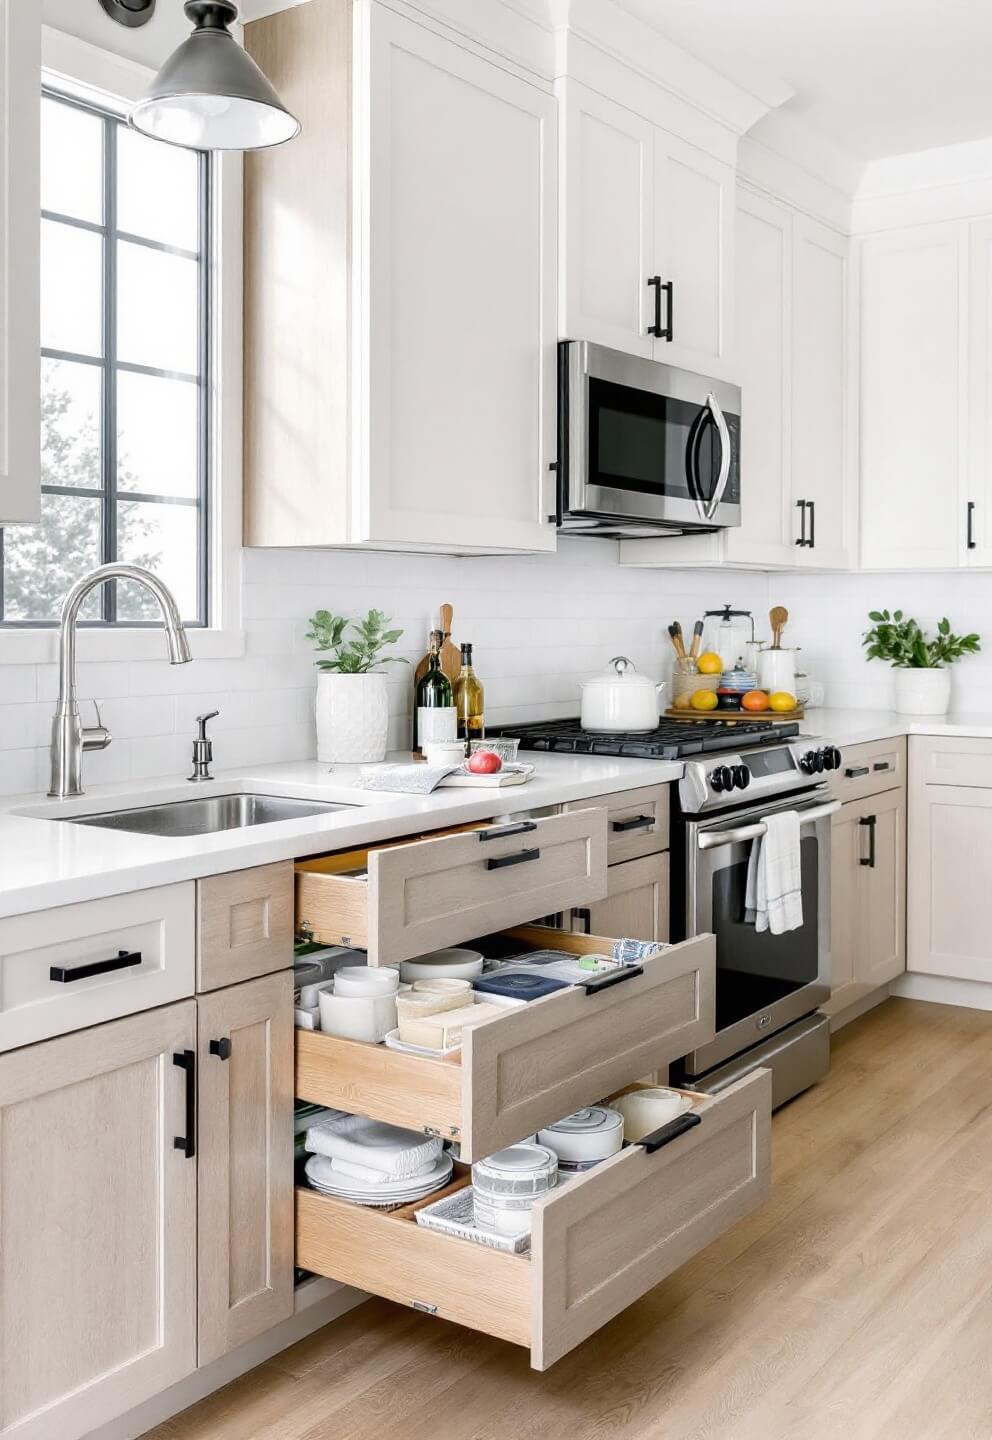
<point>868,896</point>
<point>636,904</point>
<point>97,1223</point>
<point>245,1198</point>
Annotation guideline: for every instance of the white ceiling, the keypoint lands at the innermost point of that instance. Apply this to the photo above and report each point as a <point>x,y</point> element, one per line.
<point>877,77</point>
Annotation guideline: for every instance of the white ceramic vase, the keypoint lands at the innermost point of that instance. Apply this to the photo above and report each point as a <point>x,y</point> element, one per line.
<point>922,692</point>
<point>352,718</point>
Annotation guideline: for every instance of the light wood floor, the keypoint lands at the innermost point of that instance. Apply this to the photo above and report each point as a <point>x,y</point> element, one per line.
<point>855,1305</point>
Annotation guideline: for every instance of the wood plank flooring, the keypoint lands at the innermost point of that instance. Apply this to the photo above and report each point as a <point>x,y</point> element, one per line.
<point>855,1305</point>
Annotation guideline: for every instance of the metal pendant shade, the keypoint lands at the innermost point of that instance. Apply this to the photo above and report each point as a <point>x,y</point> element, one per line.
<point>210,94</point>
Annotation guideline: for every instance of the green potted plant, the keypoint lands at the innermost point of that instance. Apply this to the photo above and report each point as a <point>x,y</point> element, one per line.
<point>352,706</point>
<point>921,664</point>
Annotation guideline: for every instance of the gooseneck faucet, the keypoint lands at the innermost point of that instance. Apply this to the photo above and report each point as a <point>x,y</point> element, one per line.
<point>69,736</point>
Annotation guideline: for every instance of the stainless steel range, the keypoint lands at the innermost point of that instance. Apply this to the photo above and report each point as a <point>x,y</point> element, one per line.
<point>768,987</point>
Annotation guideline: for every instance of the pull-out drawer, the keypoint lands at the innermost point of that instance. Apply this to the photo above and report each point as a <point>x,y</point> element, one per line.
<point>244,924</point>
<point>404,900</point>
<point>952,760</point>
<point>636,822</point>
<point>532,1065</point>
<point>598,1243</point>
<point>867,769</point>
<point>78,965</point>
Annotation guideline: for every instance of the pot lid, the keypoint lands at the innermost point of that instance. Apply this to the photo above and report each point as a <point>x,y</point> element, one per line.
<point>621,671</point>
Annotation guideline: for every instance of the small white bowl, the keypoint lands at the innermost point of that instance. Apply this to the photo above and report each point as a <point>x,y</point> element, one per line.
<point>366,980</point>
<point>453,964</point>
<point>589,1135</point>
<point>357,1017</point>
<point>645,1111</point>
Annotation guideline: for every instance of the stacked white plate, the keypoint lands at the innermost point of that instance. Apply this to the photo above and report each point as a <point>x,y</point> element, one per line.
<point>323,1177</point>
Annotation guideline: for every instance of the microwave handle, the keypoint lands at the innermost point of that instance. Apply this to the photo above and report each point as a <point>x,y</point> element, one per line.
<point>712,839</point>
<point>723,430</point>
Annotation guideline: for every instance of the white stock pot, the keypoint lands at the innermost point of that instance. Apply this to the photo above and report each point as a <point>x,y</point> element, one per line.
<point>620,698</point>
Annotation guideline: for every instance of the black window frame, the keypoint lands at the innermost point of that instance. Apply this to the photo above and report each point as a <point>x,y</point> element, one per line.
<point>110,366</point>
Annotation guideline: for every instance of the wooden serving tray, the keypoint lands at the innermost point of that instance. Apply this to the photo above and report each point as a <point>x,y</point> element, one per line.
<point>734,717</point>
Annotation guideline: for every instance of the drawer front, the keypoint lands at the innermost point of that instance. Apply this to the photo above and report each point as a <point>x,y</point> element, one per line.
<point>636,821</point>
<point>946,760</point>
<point>78,965</point>
<point>448,889</point>
<point>867,769</point>
<point>636,904</point>
<point>598,1243</point>
<point>534,1064</point>
<point>244,924</point>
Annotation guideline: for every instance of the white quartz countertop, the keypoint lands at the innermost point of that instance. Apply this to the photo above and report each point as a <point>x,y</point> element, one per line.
<point>46,862</point>
<point>857,727</point>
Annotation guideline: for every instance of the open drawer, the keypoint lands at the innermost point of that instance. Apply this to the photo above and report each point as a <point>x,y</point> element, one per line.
<point>533,1064</point>
<point>405,900</point>
<point>599,1241</point>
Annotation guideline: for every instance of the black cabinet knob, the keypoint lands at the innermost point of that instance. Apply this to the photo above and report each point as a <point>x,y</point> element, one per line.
<point>742,777</point>
<point>722,778</point>
<point>807,762</point>
<point>221,1048</point>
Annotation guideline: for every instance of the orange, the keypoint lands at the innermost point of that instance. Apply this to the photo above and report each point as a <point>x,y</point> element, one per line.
<point>703,700</point>
<point>782,701</point>
<point>709,663</point>
<point>683,701</point>
<point>754,700</point>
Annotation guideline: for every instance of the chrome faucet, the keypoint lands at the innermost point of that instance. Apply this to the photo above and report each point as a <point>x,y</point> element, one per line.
<point>69,736</point>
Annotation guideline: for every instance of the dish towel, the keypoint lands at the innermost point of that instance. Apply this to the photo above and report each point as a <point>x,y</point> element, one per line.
<point>774,896</point>
<point>405,779</point>
<point>374,1146</point>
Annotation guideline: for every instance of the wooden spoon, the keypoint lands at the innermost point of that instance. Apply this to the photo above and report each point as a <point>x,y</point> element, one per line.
<point>778,618</point>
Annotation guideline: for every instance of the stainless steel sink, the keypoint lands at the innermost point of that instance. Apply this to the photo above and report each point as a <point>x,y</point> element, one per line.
<point>208,814</point>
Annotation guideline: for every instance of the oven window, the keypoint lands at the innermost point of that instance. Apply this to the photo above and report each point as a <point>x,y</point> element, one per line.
<point>753,971</point>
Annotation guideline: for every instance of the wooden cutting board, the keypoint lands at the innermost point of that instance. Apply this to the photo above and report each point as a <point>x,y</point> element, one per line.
<point>451,656</point>
<point>737,717</point>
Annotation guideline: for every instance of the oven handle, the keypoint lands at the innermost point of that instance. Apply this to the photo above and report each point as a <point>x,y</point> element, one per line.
<point>711,839</point>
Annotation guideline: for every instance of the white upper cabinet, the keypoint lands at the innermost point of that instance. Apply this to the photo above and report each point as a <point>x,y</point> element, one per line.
<point>977,516</point>
<point>912,403</point>
<point>20,385</point>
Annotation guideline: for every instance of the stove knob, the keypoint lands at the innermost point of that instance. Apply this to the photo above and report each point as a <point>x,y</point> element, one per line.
<point>832,757</point>
<point>819,761</point>
<point>742,777</point>
<point>722,778</point>
<point>807,762</point>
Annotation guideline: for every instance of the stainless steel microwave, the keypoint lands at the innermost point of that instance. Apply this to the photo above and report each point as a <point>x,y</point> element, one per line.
<point>644,448</point>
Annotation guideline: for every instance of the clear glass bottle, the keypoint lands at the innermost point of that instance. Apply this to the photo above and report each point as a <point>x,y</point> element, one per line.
<point>435,717</point>
<point>470,701</point>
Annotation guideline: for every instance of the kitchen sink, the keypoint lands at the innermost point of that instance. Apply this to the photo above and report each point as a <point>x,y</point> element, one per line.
<point>208,814</point>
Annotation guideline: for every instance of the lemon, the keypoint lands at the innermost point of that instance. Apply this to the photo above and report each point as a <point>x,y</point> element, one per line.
<point>683,701</point>
<point>782,701</point>
<point>703,700</point>
<point>709,664</point>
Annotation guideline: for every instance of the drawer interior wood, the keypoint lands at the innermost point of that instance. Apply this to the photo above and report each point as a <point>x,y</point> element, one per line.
<point>533,1064</point>
<point>599,1241</point>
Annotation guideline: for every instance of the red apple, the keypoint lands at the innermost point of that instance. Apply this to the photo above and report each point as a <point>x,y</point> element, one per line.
<point>484,762</point>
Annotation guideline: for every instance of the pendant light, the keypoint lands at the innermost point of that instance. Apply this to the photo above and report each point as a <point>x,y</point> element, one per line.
<point>210,94</point>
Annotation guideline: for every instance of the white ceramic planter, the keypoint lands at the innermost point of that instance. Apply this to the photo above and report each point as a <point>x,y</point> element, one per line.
<point>352,718</point>
<point>923,692</point>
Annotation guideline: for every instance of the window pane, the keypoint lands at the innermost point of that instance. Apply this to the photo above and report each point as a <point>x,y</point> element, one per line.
<point>163,539</point>
<point>71,161</point>
<point>157,190</point>
<point>157,309</point>
<point>70,424</point>
<point>71,288</point>
<point>156,435</point>
<point>40,562</point>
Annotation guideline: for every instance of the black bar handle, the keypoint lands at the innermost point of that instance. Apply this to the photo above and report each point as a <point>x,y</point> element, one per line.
<point>186,1060</point>
<point>497,832</point>
<point>583,915</point>
<point>221,1048</point>
<point>972,544</point>
<point>636,822</point>
<point>801,507</point>
<point>870,821</point>
<point>121,961</point>
<point>882,765</point>
<point>669,331</point>
<point>520,858</point>
<point>658,1138</point>
<point>655,329</point>
<point>613,977</point>
<point>812,523</point>
<point>853,772</point>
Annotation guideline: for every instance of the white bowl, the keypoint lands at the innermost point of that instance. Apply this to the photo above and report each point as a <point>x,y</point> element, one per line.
<point>454,964</point>
<point>645,1111</point>
<point>357,1017</point>
<point>365,980</point>
<point>592,1134</point>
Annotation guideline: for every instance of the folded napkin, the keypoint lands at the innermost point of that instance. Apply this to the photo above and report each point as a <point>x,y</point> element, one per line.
<point>774,898</point>
<point>365,1173</point>
<point>386,1149</point>
<point>406,779</point>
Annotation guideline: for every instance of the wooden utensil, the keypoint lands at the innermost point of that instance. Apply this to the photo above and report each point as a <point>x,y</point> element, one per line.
<point>451,655</point>
<point>675,631</point>
<point>778,618</point>
<point>697,640</point>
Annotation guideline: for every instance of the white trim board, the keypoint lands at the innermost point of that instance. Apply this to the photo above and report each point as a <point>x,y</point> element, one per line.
<point>940,990</point>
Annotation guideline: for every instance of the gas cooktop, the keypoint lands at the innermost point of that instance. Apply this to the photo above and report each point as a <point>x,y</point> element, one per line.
<point>672,740</point>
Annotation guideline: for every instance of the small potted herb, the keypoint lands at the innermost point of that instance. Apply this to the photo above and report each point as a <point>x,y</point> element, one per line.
<point>922,676</point>
<point>352,706</point>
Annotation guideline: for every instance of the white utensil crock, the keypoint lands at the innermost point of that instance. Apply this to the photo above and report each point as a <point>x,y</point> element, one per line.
<point>922,692</point>
<point>620,699</point>
<point>352,714</point>
<point>777,671</point>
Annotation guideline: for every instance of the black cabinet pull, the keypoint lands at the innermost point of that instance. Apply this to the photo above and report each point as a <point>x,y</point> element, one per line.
<point>658,1138</point>
<point>882,765</point>
<point>801,507</point>
<point>221,1048</point>
<point>854,771</point>
<point>636,822</point>
<point>186,1060</point>
<point>612,977</point>
<point>498,832</point>
<point>812,523</point>
<point>121,961</point>
<point>666,288</point>
<point>869,820</point>
<point>520,858</point>
<point>972,545</point>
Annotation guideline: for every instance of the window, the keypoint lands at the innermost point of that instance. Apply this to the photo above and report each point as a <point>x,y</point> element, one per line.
<point>124,327</point>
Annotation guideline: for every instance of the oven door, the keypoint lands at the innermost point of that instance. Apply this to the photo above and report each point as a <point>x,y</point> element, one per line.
<point>648,442</point>
<point>763,981</point>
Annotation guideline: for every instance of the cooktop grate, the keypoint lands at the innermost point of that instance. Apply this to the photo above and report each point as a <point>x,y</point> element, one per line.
<point>672,740</point>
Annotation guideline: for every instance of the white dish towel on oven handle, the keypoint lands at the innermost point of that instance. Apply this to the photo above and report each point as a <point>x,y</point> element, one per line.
<point>774,897</point>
